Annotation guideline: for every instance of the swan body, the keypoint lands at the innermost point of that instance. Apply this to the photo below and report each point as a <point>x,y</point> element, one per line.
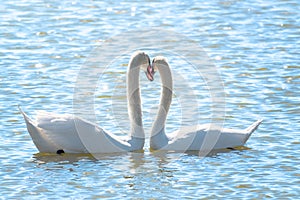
<point>53,133</point>
<point>200,137</point>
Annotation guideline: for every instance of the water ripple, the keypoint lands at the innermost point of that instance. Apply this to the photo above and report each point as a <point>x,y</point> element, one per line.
<point>255,46</point>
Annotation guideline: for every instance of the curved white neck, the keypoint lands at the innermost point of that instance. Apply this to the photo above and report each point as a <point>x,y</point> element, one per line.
<point>158,135</point>
<point>134,102</point>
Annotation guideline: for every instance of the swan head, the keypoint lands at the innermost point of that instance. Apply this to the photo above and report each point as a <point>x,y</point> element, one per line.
<point>157,62</point>
<point>142,59</point>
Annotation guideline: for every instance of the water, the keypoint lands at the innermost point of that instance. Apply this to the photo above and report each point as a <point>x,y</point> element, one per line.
<point>255,46</point>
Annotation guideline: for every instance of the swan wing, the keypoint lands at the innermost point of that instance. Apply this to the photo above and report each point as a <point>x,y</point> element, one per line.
<point>39,136</point>
<point>206,137</point>
<point>52,132</point>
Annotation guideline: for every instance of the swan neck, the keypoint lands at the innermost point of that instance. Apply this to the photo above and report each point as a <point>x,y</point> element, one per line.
<point>158,127</point>
<point>134,102</point>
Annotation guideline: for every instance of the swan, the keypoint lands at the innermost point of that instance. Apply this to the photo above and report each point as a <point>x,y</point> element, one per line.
<point>62,133</point>
<point>192,138</point>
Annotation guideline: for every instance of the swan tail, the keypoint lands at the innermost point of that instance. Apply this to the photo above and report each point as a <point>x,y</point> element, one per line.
<point>42,143</point>
<point>251,129</point>
<point>253,126</point>
<point>25,116</point>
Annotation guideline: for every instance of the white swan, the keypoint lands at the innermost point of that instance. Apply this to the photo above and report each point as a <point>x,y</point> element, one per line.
<point>199,137</point>
<point>53,133</point>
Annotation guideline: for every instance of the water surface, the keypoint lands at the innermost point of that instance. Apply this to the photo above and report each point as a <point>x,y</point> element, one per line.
<point>255,46</point>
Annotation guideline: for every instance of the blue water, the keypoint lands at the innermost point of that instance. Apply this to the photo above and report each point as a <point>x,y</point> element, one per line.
<point>255,46</point>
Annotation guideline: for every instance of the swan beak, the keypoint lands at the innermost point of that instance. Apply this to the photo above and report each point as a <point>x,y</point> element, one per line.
<point>150,73</point>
